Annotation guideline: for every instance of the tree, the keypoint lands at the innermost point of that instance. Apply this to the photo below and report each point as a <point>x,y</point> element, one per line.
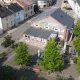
<point>77,28</point>
<point>7,41</point>
<point>52,59</point>
<point>76,43</point>
<point>22,56</point>
<point>23,78</point>
<point>78,64</point>
<point>36,8</point>
<point>7,73</point>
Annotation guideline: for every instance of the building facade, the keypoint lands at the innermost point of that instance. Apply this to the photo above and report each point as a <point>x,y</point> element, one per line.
<point>38,37</point>
<point>6,19</point>
<point>56,20</point>
<point>27,6</point>
<point>75,5</point>
<point>18,13</point>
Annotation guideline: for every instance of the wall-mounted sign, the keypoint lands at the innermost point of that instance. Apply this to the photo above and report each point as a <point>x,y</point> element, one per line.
<point>45,23</point>
<point>49,24</point>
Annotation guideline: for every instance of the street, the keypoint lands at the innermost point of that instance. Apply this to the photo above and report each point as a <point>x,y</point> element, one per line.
<point>16,34</point>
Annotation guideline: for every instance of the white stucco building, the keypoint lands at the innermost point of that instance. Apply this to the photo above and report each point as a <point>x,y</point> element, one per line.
<point>18,13</point>
<point>6,19</point>
<point>44,3</point>
<point>75,5</point>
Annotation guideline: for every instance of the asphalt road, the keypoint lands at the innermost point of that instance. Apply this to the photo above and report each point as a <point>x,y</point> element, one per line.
<point>16,34</point>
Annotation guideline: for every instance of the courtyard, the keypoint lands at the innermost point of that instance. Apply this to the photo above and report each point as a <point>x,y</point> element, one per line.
<point>34,71</point>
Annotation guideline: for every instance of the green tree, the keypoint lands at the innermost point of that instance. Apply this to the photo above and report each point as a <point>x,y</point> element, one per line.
<point>23,78</point>
<point>7,73</point>
<point>22,56</point>
<point>78,64</point>
<point>76,43</point>
<point>77,28</point>
<point>7,41</point>
<point>52,59</point>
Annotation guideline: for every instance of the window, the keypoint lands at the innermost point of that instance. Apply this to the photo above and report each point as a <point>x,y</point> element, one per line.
<point>28,37</point>
<point>28,8</point>
<point>11,22</point>
<point>31,7</point>
<point>56,29</point>
<point>31,12</point>
<point>43,40</point>
<point>47,27</point>
<point>26,15</point>
<point>25,35</point>
<point>37,25</point>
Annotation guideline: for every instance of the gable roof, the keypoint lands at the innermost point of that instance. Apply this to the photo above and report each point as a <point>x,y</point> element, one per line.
<point>25,3</point>
<point>4,12</point>
<point>14,7</point>
<point>21,3</point>
<point>41,33</point>
<point>58,15</point>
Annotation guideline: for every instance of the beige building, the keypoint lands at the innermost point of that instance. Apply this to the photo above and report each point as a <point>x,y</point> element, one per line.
<point>38,37</point>
<point>6,1</point>
<point>6,19</point>
<point>56,20</point>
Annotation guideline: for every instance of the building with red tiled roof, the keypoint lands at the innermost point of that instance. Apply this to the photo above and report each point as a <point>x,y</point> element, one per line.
<point>21,3</point>
<point>28,7</point>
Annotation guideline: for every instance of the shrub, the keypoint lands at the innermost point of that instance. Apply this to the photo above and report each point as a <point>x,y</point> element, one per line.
<point>7,41</point>
<point>75,60</point>
<point>3,54</point>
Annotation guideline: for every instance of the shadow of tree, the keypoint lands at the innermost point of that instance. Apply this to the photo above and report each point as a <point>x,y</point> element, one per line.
<point>2,60</point>
<point>64,67</point>
<point>34,60</point>
<point>71,78</point>
<point>29,74</point>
